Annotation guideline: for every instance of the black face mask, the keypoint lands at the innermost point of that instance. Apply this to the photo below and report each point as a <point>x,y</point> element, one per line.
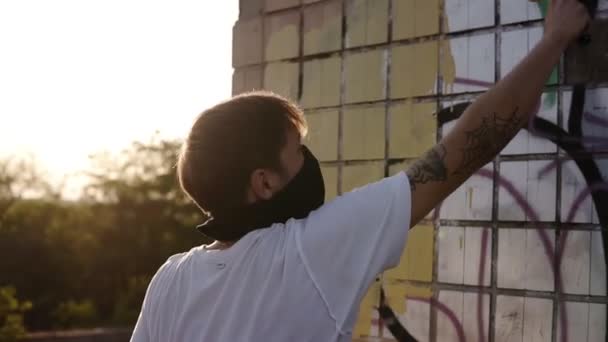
<point>303,194</point>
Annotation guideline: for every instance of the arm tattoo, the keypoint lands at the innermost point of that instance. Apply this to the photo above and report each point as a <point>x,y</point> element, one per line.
<point>430,168</point>
<point>484,142</point>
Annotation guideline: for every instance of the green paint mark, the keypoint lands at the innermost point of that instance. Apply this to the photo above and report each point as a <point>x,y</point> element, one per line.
<point>553,77</point>
<point>544,6</point>
<point>550,100</point>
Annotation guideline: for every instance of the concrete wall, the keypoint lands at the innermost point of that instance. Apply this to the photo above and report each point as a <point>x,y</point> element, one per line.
<point>375,78</point>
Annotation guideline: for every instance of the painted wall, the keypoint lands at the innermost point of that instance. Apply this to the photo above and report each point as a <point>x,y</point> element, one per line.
<point>376,79</point>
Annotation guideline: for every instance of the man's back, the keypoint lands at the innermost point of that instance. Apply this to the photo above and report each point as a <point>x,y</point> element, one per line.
<point>238,294</point>
<point>299,281</point>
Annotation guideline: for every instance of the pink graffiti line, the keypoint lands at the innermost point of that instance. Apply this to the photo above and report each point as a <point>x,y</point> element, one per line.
<point>447,312</point>
<point>595,119</point>
<point>578,201</point>
<point>563,238</point>
<point>550,167</point>
<point>549,251</point>
<point>589,141</point>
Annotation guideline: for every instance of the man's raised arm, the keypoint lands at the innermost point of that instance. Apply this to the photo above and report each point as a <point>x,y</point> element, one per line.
<point>495,117</point>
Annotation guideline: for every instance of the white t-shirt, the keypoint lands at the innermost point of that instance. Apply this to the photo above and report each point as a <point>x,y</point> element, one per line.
<point>299,281</point>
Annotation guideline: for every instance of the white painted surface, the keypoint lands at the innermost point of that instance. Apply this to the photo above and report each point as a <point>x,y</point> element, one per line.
<point>469,14</point>
<point>512,11</point>
<point>459,255</point>
<point>522,262</point>
<point>576,262</point>
<point>527,142</point>
<point>474,58</point>
<point>473,256</point>
<point>464,306</point>
<point>573,185</point>
<point>577,322</point>
<point>538,315</point>
<point>473,199</point>
<point>523,319</point>
<point>597,322</point>
<point>450,242</point>
<point>515,46</point>
<point>598,266</point>
<point>445,329</point>
<point>509,319</point>
<point>534,185</point>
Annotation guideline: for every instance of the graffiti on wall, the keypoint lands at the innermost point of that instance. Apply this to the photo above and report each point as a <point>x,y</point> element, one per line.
<point>584,141</point>
<point>516,253</point>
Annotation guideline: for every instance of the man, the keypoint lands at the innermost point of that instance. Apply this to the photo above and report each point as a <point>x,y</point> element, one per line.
<point>285,266</point>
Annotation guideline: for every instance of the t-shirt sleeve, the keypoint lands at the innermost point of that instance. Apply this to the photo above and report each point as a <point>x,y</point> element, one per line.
<point>140,332</point>
<point>347,242</point>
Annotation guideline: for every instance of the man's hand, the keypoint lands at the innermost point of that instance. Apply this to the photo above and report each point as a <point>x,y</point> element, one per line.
<point>495,117</point>
<point>565,20</point>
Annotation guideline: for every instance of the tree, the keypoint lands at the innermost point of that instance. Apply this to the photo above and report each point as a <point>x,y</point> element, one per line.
<point>11,315</point>
<point>148,218</point>
<point>21,178</point>
<point>88,262</point>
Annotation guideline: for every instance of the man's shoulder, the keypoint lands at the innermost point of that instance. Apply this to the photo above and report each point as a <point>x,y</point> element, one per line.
<point>174,261</point>
<point>172,265</point>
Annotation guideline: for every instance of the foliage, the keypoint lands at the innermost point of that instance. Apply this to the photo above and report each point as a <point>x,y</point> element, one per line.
<point>88,262</point>
<point>75,314</point>
<point>11,315</point>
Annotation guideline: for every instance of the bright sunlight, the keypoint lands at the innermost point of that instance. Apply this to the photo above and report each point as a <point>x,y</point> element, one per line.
<point>79,76</point>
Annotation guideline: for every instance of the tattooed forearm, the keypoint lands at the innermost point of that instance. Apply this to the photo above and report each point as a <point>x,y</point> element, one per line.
<point>430,168</point>
<point>487,140</point>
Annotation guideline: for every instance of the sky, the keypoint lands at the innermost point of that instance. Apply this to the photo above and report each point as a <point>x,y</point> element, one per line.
<point>80,76</point>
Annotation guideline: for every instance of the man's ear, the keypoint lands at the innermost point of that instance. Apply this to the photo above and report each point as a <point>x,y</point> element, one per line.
<point>261,185</point>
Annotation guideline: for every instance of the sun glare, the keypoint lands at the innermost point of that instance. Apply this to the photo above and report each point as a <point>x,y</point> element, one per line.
<point>78,77</point>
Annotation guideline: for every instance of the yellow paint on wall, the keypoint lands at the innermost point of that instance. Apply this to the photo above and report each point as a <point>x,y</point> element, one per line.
<point>413,129</point>
<point>280,43</point>
<point>414,69</point>
<point>365,76</point>
<point>417,259</point>
<point>368,305</point>
<point>395,296</point>
<point>247,42</point>
<point>321,86</point>
<point>282,78</point>
<point>427,17</point>
<point>247,79</point>
<point>414,291</point>
<point>415,18</point>
<point>323,27</point>
<point>322,137</point>
<point>420,253</point>
<point>354,176</point>
<point>364,132</point>
<point>367,22</point>
<point>330,177</point>
<point>273,5</point>
<point>281,34</point>
<point>398,167</point>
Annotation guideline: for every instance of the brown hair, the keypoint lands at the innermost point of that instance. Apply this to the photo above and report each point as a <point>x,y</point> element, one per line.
<point>228,142</point>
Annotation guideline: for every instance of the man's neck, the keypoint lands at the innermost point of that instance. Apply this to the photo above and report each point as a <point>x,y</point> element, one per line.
<point>219,245</point>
